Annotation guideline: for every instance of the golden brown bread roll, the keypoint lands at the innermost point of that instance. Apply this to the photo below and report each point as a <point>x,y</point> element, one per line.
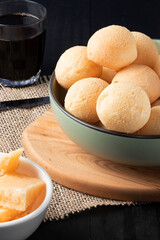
<point>156,103</point>
<point>157,66</point>
<point>107,74</point>
<point>147,52</point>
<point>152,127</point>
<point>123,107</point>
<point>112,47</point>
<point>82,96</point>
<point>74,65</point>
<point>144,76</point>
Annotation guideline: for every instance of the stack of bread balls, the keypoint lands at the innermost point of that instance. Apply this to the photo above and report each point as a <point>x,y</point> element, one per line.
<point>114,81</point>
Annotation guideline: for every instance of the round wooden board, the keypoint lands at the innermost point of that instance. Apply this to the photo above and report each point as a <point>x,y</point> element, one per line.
<point>68,164</point>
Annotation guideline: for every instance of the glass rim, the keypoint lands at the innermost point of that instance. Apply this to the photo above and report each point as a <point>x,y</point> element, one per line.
<point>39,20</point>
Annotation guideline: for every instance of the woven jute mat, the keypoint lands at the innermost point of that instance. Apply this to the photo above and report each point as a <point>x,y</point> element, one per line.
<point>65,201</point>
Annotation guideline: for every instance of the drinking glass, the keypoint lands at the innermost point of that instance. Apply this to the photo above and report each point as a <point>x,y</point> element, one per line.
<point>22,41</point>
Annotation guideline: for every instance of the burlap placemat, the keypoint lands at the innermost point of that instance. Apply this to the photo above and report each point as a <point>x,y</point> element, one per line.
<point>12,123</point>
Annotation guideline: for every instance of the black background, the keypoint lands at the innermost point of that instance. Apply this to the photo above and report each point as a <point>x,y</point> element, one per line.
<point>72,22</point>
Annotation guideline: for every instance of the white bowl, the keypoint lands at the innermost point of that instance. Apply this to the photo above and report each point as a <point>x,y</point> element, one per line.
<point>23,227</point>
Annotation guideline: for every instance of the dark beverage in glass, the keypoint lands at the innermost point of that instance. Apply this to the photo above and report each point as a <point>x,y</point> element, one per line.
<point>22,40</point>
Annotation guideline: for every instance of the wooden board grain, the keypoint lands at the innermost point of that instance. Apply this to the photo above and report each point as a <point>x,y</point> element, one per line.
<point>45,143</point>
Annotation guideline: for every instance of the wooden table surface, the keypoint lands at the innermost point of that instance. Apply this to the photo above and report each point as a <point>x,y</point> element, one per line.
<point>72,22</point>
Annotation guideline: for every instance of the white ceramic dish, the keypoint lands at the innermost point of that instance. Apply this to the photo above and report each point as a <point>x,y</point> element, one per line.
<point>22,228</point>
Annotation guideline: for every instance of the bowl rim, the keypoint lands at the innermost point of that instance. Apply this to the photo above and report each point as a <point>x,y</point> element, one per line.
<point>120,134</point>
<point>44,205</point>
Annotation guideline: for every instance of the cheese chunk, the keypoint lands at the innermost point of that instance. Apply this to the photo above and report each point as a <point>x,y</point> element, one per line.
<point>18,191</point>
<point>7,214</point>
<point>9,161</point>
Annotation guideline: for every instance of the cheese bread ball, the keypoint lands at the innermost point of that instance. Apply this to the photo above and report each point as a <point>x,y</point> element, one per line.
<point>99,124</point>
<point>107,74</point>
<point>74,65</point>
<point>156,103</point>
<point>152,127</point>
<point>82,96</point>
<point>123,107</point>
<point>112,47</point>
<point>144,76</point>
<point>147,52</point>
<point>157,66</point>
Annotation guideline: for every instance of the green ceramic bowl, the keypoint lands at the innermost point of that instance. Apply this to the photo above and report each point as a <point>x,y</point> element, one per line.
<point>110,145</point>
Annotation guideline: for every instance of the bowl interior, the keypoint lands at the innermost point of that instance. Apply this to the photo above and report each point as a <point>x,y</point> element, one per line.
<point>57,94</point>
<point>58,91</point>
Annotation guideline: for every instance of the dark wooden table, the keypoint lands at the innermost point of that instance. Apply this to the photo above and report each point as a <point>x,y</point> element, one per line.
<point>72,22</point>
